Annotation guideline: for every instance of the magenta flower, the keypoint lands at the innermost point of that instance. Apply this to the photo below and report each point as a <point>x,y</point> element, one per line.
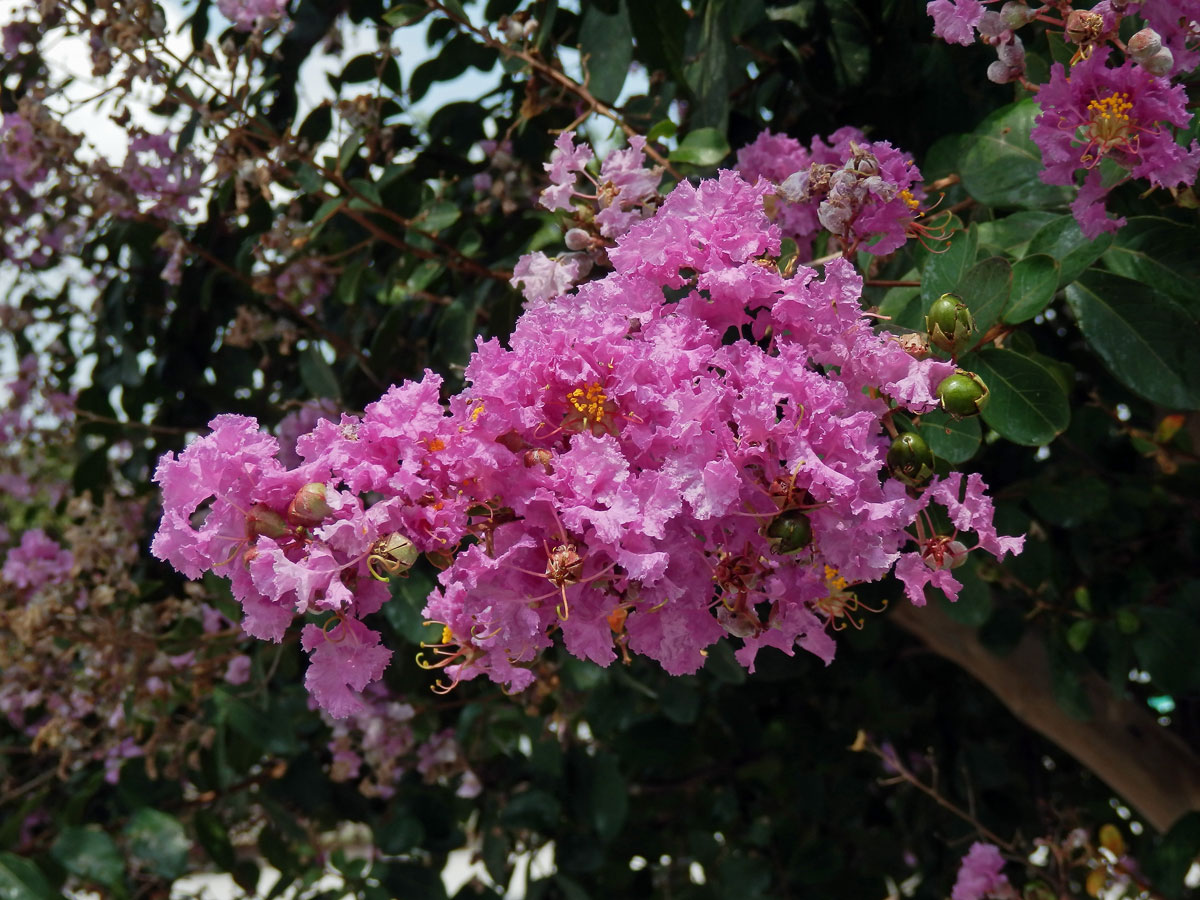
<point>248,14</point>
<point>36,561</point>
<point>1123,114</point>
<point>981,875</point>
<point>954,21</point>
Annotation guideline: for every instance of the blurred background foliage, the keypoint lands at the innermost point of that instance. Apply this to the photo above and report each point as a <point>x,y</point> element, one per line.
<point>721,785</point>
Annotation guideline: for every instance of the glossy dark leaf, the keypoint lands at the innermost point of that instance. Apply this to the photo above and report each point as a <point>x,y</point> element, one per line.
<point>1145,338</point>
<point>1027,404</point>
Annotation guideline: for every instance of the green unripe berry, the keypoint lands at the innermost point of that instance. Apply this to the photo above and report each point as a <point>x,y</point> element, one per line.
<point>909,459</point>
<point>789,532</point>
<point>963,394</point>
<point>950,324</point>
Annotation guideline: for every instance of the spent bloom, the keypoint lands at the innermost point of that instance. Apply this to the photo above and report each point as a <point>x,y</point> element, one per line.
<point>1120,113</point>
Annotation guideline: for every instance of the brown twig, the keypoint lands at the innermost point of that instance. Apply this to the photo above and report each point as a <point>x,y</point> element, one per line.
<point>557,76</point>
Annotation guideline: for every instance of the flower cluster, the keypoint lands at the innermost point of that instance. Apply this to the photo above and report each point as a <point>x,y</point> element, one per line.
<point>624,192</point>
<point>981,875</point>
<point>1124,111</point>
<point>377,745</point>
<point>687,449</point>
<point>864,194</point>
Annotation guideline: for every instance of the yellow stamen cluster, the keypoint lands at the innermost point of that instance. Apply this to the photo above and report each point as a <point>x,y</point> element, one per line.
<point>436,444</point>
<point>908,198</point>
<point>1109,116</point>
<point>835,581</point>
<point>589,401</point>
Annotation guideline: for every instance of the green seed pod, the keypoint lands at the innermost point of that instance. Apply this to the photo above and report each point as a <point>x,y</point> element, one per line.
<point>963,394</point>
<point>789,532</point>
<point>308,508</point>
<point>395,554</point>
<point>909,459</point>
<point>950,324</point>
<point>263,520</point>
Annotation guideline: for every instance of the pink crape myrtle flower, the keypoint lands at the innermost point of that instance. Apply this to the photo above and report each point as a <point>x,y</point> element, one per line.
<point>1121,113</point>
<point>634,472</point>
<point>37,560</point>
<point>247,14</point>
<point>981,875</point>
<point>954,21</point>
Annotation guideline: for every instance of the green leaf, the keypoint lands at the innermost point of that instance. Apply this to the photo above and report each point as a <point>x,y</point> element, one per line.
<point>1160,253</point>
<point>1079,634</point>
<point>662,130</point>
<point>1002,165</point>
<point>89,853</point>
<point>1165,646</point>
<point>158,842</point>
<point>974,604</point>
<point>1146,339</point>
<point>1027,403</point>
<point>1011,234</point>
<point>441,214</point>
<point>704,147</point>
<point>985,288</point>
<point>316,374</point>
<point>1035,281</point>
<point>405,14</point>
<point>609,801</point>
<point>944,271</point>
<point>1062,240</point>
<point>606,41</point>
<point>21,879</point>
<point>954,440</point>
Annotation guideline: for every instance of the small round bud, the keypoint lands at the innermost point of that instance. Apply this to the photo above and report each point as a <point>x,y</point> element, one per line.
<point>1161,63</point>
<point>963,394</point>
<point>789,532</point>
<point>1144,44</point>
<point>262,520</point>
<point>909,459</point>
<point>1016,14</point>
<point>577,239</point>
<point>950,324</point>
<point>308,507</point>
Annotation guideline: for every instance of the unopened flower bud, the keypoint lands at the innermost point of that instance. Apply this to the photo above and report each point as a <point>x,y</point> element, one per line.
<point>909,459</point>
<point>963,394</point>
<point>577,239</point>
<point>1161,63</point>
<point>950,324</point>
<point>1016,14</point>
<point>308,507</point>
<point>262,520</point>
<point>789,532</point>
<point>1144,44</point>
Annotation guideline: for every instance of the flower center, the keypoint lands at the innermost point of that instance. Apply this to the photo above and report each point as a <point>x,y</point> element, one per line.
<point>1109,124</point>
<point>589,401</point>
